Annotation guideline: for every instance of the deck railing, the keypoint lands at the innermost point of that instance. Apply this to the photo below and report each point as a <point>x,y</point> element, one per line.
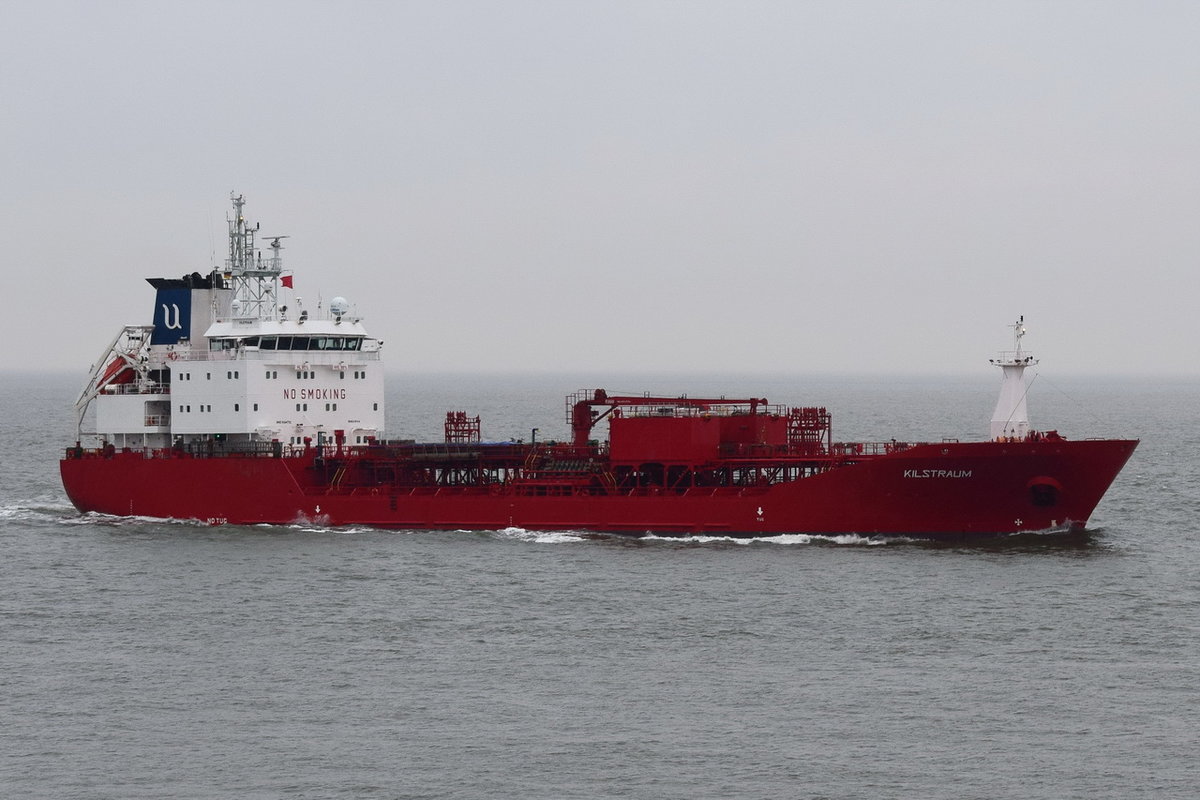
<point>311,356</point>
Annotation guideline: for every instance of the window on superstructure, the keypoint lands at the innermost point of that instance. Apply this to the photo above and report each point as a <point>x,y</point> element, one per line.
<point>267,343</point>
<point>236,407</point>
<point>256,406</point>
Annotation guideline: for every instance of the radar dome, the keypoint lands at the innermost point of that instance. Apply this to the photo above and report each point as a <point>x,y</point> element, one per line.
<point>339,306</point>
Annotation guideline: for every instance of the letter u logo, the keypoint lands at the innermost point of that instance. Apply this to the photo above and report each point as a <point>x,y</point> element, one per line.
<point>174,326</point>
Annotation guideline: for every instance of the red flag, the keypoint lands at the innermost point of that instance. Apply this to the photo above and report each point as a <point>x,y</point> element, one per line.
<point>286,280</point>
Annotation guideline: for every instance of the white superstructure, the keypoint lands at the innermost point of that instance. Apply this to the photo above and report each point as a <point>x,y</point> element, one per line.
<point>234,359</point>
<point>1010,420</point>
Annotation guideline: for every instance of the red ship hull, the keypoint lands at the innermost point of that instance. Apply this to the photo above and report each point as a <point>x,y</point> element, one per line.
<point>228,410</point>
<point>942,491</point>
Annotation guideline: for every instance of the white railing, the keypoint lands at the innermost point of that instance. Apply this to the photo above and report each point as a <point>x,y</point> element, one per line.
<point>310,356</point>
<point>1015,357</point>
<point>133,388</point>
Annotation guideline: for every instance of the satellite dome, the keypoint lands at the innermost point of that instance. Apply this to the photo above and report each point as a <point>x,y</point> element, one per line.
<point>339,306</point>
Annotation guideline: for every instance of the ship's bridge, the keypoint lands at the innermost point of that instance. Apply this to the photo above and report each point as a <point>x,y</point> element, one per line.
<point>253,338</point>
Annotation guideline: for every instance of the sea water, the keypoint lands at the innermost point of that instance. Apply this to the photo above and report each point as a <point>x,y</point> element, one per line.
<point>166,659</point>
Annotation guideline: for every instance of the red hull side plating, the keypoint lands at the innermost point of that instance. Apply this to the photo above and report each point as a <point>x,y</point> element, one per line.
<point>946,490</point>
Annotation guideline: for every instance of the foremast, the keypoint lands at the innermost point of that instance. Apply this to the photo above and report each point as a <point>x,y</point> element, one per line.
<point>1010,420</point>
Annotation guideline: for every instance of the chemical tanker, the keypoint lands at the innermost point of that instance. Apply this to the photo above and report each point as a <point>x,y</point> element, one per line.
<point>232,408</point>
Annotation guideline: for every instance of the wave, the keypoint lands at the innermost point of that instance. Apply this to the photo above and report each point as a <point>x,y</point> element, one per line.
<point>567,536</point>
<point>39,512</point>
<point>541,537</point>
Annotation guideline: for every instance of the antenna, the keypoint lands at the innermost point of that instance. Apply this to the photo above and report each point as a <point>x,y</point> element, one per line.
<point>1018,331</point>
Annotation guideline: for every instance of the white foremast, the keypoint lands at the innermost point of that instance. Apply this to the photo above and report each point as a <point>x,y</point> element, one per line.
<point>1010,420</point>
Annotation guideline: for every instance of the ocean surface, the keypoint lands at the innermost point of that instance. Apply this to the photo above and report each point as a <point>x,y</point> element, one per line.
<point>151,659</point>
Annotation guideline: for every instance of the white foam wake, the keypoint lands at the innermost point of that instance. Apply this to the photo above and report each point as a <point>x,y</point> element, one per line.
<point>853,539</point>
<point>540,537</point>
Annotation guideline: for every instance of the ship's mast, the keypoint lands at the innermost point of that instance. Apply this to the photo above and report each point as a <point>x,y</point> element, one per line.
<point>1011,417</point>
<point>255,280</point>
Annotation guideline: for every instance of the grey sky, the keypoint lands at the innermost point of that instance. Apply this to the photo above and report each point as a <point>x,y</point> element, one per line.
<point>683,186</point>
